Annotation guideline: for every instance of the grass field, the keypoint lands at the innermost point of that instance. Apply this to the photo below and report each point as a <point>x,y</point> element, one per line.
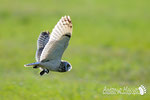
<point>110,47</point>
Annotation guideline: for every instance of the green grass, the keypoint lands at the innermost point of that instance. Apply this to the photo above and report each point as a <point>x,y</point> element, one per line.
<point>110,47</point>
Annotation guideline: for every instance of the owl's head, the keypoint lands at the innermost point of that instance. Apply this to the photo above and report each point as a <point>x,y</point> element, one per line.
<point>64,66</point>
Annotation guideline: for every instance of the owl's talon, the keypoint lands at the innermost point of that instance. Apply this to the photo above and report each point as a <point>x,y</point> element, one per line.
<point>46,71</point>
<point>42,72</point>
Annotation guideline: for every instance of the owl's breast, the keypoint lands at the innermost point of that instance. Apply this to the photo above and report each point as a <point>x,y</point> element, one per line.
<point>52,65</point>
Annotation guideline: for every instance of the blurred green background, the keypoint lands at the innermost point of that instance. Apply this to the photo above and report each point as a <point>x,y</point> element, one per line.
<point>110,47</point>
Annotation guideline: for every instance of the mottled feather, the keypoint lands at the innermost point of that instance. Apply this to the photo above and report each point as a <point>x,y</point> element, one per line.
<point>41,42</point>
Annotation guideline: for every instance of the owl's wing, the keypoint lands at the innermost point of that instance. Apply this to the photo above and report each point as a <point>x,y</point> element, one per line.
<point>41,42</point>
<point>58,41</point>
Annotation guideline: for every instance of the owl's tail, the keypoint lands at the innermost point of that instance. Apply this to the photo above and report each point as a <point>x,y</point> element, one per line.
<point>32,64</point>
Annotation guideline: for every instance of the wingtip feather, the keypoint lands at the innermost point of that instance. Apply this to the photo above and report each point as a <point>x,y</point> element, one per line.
<point>64,26</point>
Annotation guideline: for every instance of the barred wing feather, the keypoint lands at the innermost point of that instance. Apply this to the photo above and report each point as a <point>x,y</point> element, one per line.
<point>41,42</point>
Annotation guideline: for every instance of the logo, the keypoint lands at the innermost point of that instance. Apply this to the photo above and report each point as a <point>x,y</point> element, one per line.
<point>125,90</point>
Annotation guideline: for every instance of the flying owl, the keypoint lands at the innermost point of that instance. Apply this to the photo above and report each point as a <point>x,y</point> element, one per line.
<point>50,48</point>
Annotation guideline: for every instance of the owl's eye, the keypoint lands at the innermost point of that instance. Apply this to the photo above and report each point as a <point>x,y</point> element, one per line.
<point>68,65</point>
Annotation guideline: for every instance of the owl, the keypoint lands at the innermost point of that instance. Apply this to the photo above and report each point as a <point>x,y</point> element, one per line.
<point>50,48</point>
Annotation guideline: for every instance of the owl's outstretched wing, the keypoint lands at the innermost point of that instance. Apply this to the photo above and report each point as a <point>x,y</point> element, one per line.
<point>41,42</point>
<point>58,41</point>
